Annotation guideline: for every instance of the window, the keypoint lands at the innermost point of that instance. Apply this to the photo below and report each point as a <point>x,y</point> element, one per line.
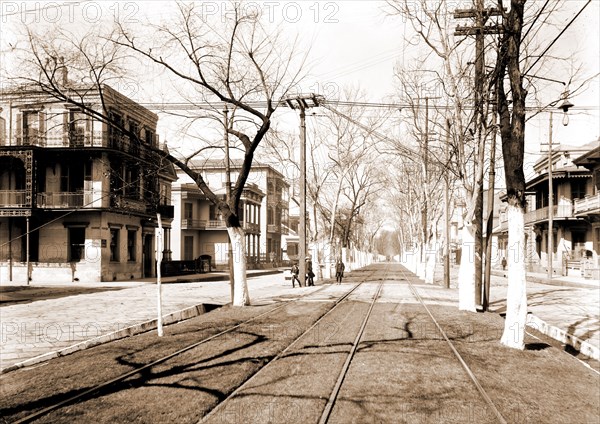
<point>188,248</point>
<point>131,245</point>
<point>149,135</point>
<point>76,243</point>
<point>578,188</point>
<point>114,244</point>
<point>188,211</point>
<point>77,127</point>
<point>114,129</point>
<point>31,126</point>
<point>134,129</point>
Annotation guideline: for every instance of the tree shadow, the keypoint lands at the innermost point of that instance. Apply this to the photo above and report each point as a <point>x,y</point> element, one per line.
<point>536,346</point>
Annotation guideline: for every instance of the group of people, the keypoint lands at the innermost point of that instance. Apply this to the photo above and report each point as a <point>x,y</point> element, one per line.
<point>339,273</point>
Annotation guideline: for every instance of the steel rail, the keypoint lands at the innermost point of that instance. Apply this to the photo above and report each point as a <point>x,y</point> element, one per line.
<point>221,404</point>
<point>338,385</point>
<point>470,373</point>
<point>135,371</point>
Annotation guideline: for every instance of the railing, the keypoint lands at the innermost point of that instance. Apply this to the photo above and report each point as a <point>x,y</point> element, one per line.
<point>193,224</point>
<point>60,200</point>
<point>12,198</point>
<point>560,211</point>
<point>122,202</point>
<point>274,228</point>
<point>251,227</point>
<point>589,203</point>
<point>215,224</point>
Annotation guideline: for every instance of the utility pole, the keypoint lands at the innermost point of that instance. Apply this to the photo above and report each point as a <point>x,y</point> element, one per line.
<point>485,302</point>
<point>228,196</point>
<point>301,102</point>
<point>479,29</point>
<point>447,210</point>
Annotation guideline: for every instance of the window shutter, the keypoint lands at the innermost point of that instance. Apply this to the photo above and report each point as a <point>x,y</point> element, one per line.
<point>18,134</point>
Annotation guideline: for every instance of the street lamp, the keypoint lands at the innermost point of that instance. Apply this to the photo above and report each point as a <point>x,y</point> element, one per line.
<point>565,106</point>
<point>302,102</point>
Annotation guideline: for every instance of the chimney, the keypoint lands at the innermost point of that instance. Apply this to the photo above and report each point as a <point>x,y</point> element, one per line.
<point>63,71</point>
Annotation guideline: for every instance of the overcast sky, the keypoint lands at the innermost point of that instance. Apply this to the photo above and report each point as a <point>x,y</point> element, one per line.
<point>355,43</point>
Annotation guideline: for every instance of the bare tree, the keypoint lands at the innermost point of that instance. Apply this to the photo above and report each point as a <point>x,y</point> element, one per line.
<point>237,63</point>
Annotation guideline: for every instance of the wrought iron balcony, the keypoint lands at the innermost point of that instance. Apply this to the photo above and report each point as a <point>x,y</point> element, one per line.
<point>274,228</point>
<point>60,200</point>
<point>251,227</point>
<point>13,198</point>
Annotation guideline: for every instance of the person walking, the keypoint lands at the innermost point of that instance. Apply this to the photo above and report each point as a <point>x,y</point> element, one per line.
<point>295,272</point>
<point>339,271</point>
<point>309,273</point>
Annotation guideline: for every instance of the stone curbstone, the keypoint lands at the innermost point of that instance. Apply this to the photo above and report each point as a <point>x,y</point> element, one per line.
<point>562,336</point>
<point>132,330</point>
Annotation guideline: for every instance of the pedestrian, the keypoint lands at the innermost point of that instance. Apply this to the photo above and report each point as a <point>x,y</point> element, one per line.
<point>295,272</point>
<point>503,263</point>
<point>339,271</point>
<point>309,273</point>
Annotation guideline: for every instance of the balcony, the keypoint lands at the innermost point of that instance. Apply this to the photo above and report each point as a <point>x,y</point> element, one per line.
<point>539,215</point>
<point>215,224</point>
<point>134,205</point>
<point>274,228</point>
<point>588,205</point>
<point>60,200</point>
<point>251,227</point>
<point>13,198</point>
<point>193,224</point>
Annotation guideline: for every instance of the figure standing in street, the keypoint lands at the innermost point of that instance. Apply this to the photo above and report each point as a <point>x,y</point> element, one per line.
<point>339,271</point>
<point>295,272</point>
<point>309,273</point>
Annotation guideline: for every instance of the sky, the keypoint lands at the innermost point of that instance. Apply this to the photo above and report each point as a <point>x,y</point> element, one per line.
<point>354,43</point>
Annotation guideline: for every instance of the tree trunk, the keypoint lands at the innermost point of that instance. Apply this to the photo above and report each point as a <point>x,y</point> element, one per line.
<point>431,256</point>
<point>466,272</point>
<point>241,296</point>
<point>516,296</point>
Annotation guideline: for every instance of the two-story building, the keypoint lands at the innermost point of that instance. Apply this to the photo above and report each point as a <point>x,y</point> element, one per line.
<point>78,199</point>
<point>200,229</point>
<point>572,214</point>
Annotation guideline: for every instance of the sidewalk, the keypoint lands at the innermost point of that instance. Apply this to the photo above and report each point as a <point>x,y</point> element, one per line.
<point>45,327</point>
<point>566,308</point>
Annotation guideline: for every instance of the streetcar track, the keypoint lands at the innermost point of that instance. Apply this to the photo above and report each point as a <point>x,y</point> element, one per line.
<point>281,354</point>
<point>458,356</point>
<point>122,377</point>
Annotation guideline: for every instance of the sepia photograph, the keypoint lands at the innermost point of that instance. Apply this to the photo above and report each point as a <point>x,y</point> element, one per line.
<point>309,211</point>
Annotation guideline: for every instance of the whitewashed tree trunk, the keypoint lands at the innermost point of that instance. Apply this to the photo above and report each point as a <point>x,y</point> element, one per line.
<point>466,272</point>
<point>431,256</point>
<point>516,295</point>
<point>240,283</point>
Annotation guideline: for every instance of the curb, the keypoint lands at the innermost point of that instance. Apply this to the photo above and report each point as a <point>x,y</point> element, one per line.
<point>142,327</point>
<point>582,346</point>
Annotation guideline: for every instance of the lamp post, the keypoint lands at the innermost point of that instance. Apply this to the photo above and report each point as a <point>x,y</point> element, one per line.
<point>302,102</point>
<point>565,106</point>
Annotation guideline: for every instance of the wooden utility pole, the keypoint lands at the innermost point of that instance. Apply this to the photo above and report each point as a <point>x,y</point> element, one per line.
<point>302,102</point>
<point>479,29</point>
<point>228,196</point>
<point>447,210</point>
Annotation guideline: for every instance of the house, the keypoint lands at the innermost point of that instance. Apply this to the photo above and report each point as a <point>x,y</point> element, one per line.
<point>588,207</point>
<point>201,231</point>
<point>573,214</point>
<point>78,199</point>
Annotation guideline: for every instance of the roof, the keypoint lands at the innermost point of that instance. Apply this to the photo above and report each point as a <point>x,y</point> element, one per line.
<point>590,158</point>
<point>235,164</point>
